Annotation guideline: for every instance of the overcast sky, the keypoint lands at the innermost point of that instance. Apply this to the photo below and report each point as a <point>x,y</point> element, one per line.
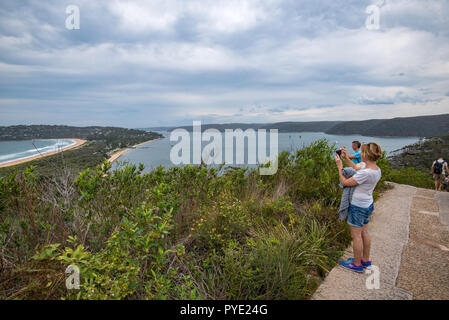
<point>166,62</point>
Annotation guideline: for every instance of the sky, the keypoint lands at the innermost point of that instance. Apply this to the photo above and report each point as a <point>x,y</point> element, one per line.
<point>169,62</point>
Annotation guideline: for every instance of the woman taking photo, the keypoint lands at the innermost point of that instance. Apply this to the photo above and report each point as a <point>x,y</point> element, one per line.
<point>362,204</point>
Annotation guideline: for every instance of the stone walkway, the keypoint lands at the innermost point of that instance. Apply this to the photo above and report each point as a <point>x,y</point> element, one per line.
<point>425,268</point>
<point>410,241</point>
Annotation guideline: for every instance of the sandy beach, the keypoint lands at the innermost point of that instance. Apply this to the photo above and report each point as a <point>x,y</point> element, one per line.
<point>121,152</point>
<point>78,142</point>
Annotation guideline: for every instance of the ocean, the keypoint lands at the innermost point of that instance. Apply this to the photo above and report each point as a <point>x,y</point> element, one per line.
<point>17,150</point>
<point>157,153</point>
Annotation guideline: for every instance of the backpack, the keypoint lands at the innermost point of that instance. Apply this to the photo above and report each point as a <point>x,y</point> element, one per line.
<point>437,167</point>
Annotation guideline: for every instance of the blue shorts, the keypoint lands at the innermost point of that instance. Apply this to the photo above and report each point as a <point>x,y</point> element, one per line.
<point>358,217</point>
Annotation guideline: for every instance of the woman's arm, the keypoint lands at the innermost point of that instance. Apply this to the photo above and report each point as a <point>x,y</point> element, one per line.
<point>347,182</point>
<point>348,159</point>
<point>344,181</point>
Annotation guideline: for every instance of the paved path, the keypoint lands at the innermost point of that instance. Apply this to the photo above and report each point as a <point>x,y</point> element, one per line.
<point>401,235</point>
<point>425,260</point>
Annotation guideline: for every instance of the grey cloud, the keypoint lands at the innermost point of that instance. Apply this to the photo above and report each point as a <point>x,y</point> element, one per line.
<point>246,61</point>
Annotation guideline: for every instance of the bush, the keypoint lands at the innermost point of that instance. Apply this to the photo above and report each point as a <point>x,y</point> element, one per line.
<point>413,177</point>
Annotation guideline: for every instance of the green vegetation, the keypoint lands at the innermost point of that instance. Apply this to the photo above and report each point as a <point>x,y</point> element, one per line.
<point>412,165</point>
<point>177,233</point>
<point>101,141</point>
<point>412,177</point>
<point>423,126</point>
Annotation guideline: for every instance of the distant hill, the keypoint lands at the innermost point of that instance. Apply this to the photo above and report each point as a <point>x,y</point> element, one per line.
<point>313,126</point>
<point>114,136</point>
<point>422,126</point>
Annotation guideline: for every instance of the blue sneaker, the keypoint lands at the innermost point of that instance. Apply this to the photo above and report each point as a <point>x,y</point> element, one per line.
<point>365,264</point>
<point>349,264</point>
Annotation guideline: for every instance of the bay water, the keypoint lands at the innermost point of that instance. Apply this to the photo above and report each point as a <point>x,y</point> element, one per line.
<point>157,153</point>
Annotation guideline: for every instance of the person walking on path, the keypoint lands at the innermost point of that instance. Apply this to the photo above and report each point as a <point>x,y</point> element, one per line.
<point>439,170</point>
<point>362,204</point>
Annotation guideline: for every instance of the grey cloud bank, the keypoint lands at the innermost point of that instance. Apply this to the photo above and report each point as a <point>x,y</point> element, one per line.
<point>156,63</point>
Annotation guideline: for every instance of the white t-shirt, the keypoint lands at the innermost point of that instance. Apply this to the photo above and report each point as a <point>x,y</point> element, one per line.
<point>367,180</point>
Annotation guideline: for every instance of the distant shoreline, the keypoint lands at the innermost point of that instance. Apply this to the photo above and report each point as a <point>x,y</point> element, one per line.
<point>78,142</point>
<point>399,127</point>
<point>221,130</point>
<point>116,155</point>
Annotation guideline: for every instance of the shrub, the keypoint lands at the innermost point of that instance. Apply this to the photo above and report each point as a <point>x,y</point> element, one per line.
<point>413,177</point>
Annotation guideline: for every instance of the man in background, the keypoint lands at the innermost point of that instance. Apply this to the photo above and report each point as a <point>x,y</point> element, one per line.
<point>356,157</point>
<point>439,169</point>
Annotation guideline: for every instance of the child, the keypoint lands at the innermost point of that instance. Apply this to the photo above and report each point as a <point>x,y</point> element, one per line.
<point>446,184</point>
<point>356,157</point>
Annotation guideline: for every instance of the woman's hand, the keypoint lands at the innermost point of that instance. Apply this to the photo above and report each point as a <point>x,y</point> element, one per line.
<point>338,162</point>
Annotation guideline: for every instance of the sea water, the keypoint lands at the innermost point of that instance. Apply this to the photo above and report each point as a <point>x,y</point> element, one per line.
<point>17,150</point>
